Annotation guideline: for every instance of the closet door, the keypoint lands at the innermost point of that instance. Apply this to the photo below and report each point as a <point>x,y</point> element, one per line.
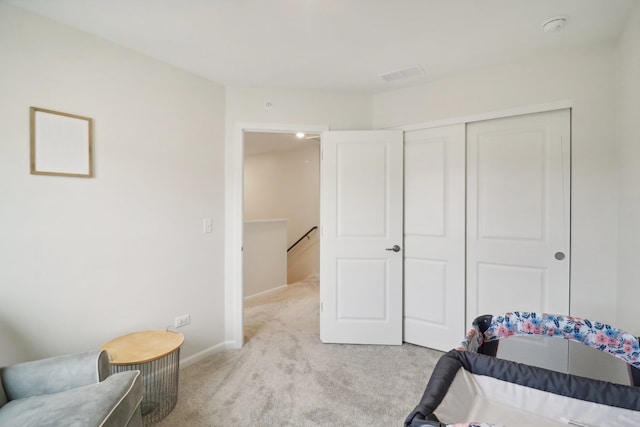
<point>434,223</point>
<point>518,213</point>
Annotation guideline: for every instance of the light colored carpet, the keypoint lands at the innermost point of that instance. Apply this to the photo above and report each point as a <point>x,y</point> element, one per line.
<point>284,375</point>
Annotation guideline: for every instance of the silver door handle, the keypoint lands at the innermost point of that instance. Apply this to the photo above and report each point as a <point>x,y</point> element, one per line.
<point>559,256</point>
<point>394,248</point>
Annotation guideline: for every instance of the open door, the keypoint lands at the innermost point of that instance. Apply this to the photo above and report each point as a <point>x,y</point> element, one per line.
<point>361,205</point>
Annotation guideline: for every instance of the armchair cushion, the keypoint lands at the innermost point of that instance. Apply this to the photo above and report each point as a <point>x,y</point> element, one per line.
<point>54,374</point>
<point>72,390</point>
<point>110,403</point>
<point>3,397</point>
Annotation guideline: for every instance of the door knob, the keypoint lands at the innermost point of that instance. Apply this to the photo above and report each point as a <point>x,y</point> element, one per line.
<point>559,256</point>
<point>394,248</point>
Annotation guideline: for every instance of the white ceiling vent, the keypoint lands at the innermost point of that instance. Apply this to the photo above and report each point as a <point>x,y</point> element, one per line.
<point>405,73</point>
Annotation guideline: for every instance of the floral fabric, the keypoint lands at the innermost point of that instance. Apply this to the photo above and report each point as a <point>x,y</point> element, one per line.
<point>472,340</point>
<point>594,334</point>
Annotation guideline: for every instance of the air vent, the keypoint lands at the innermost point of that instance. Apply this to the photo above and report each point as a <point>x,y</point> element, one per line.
<point>405,73</point>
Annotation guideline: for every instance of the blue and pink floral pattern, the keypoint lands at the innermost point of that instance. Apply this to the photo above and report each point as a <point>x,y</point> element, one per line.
<point>594,334</point>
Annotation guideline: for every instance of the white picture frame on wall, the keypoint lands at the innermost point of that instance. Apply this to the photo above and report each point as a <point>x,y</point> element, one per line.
<point>61,144</point>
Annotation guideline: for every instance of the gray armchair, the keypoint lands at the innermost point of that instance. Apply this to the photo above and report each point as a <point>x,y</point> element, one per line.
<point>71,390</point>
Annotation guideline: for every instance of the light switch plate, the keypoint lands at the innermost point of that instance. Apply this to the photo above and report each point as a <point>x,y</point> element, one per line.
<point>207,225</point>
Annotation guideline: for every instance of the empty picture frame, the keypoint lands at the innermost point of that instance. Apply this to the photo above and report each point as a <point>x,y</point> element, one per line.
<point>61,144</point>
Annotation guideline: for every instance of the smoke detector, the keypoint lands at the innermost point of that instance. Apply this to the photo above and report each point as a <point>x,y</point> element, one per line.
<point>554,24</point>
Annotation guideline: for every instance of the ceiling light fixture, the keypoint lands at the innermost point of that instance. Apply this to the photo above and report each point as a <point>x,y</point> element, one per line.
<point>300,135</point>
<point>554,24</point>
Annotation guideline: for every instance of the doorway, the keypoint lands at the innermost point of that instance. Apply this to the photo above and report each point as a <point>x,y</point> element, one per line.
<point>281,210</point>
<point>234,214</point>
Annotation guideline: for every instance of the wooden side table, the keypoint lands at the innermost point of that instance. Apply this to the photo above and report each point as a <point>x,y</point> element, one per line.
<point>156,354</point>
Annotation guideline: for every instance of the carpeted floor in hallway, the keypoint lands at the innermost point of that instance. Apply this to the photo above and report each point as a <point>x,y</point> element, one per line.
<point>284,375</point>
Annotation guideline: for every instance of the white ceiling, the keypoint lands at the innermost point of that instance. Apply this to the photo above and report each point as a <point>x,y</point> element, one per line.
<point>341,45</point>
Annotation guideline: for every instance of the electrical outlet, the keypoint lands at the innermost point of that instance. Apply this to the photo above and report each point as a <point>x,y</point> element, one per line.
<point>183,320</point>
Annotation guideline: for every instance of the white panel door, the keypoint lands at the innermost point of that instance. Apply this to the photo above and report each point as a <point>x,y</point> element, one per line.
<point>434,237</point>
<point>361,220</point>
<point>518,213</point>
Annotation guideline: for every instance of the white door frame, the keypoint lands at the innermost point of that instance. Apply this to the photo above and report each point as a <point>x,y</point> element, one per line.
<point>489,115</point>
<point>234,212</point>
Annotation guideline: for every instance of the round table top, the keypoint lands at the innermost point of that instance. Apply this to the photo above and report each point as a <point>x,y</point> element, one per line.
<point>142,347</point>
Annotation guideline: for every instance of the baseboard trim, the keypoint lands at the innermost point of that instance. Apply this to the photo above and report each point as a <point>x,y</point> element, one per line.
<point>265,293</point>
<point>201,355</point>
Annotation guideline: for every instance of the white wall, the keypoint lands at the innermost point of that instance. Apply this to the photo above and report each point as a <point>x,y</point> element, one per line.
<point>587,78</point>
<point>628,119</point>
<point>303,261</point>
<point>284,184</point>
<point>86,260</point>
<point>340,111</point>
<point>265,256</point>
